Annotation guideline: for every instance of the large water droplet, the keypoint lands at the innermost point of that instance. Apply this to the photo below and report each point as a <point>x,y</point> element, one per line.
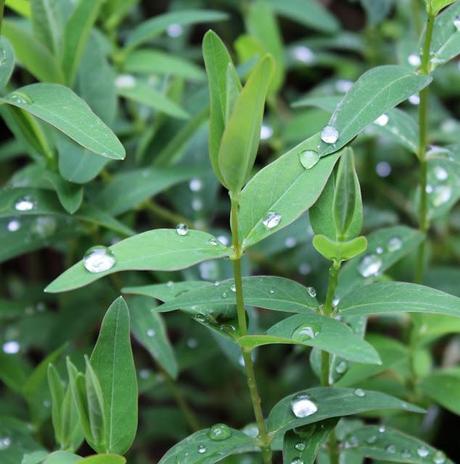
<point>303,54</point>
<point>359,392</point>
<point>233,288</point>
<point>125,81</point>
<point>195,184</point>
<point>25,203</point>
<point>304,333</point>
<point>11,347</point>
<point>423,452</point>
<point>5,443</point>
<point>98,259</point>
<point>382,120</point>
<point>219,432</point>
<point>441,195</point>
<point>406,454</point>
<point>19,98</point>
<point>391,449</point>
<point>251,430</point>
<point>371,440</point>
<point>308,158</point>
<point>201,449</point>
<point>394,244</point>
<point>382,429</point>
<point>329,135</point>
<point>271,220</point>
<point>182,229</point>
<point>414,60</point>
<point>13,225</point>
<point>439,457</point>
<point>370,266</point>
<point>302,406</point>
<point>297,461</point>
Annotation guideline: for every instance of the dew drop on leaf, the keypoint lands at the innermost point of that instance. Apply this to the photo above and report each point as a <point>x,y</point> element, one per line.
<point>329,135</point>
<point>11,347</point>
<point>311,291</point>
<point>266,132</point>
<point>125,81</point>
<point>371,440</point>
<point>414,60</point>
<point>382,120</point>
<point>370,266</point>
<point>341,367</point>
<point>25,203</point>
<point>201,449</point>
<point>379,250</point>
<point>390,449</point>
<point>382,429</point>
<point>439,457</point>
<point>271,220</point>
<point>304,333</point>
<point>394,244</point>
<point>308,158</point>
<point>150,333</point>
<point>303,54</point>
<point>13,225</point>
<point>302,406</point>
<point>440,173</point>
<point>219,432</point>
<point>423,452</point>
<point>457,22</point>
<point>300,446</point>
<point>359,392</point>
<point>98,259</point>
<point>343,85</point>
<point>297,461</point>
<point>182,229</point>
<point>195,184</point>
<point>441,195</point>
<point>19,98</point>
<point>414,100</point>
<point>5,443</point>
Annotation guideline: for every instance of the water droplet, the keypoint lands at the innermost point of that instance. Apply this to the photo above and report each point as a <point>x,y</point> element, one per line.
<point>5,443</point>
<point>308,158</point>
<point>371,440</point>
<point>197,204</point>
<point>341,367</point>
<point>441,195</point>
<point>209,270</point>
<point>382,120</point>
<point>99,259</point>
<point>370,266</point>
<point>182,229</point>
<point>382,429</point>
<point>414,99</point>
<point>329,135</point>
<point>379,250</point>
<point>201,449</point>
<point>303,54</point>
<point>200,317</point>
<point>383,169</point>
<point>271,220</point>
<point>457,22</point>
<point>423,452</point>
<point>391,449</point>
<point>406,454</point>
<point>19,98</point>
<point>440,173</point>
<point>195,184</point>
<point>300,446</point>
<point>359,392</point>
<point>144,373</point>
<point>302,406</point>
<point>233,288</point>
<point>150,333</point>
<point>297,461</point>
<point>13,225</point>
<point>11,347</point>
<point>170,284</point>
<point>25,203</point>
<point>192,343</point>
<point>304,333</point>
<point>266,132</point>
<point>343,85</point>
<point>219,432</point>
<point>44,226</point>
<point>251,430</point>
<point>213,242</point>
<point>290,242</point>
<point>394,244</point>
<point>414,60</point>
<point>223,239</point>
<point>174,30</point>
<point>335,301</point>
<point>125,81</point>
<point>429,189</point>
<point>311,291</point>
<point>439,457</point>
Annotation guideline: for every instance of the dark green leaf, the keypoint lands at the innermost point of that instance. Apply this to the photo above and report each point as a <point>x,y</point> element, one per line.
<point>7,61</point>
<point>443,387</point>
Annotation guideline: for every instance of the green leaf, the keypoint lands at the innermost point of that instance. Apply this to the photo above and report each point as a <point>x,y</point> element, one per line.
<point>390,445</point>
<point>283,187</point>
<point>332,402</point>
<point>398,297</point>
<point>217,59</point>
<point>7,67</point>
<point>13,372</point>
<point>104,459</point>
<point>319,331</point>
<point>240,139</point>
<point>188,450</point>
<point>155,250</point>
<point>275,293</point>
<point>70,195</point>
<point>443,387</point>
<point>438,5</point>
<point>76,34</point>
<point>62,457</point>
<point>445,43</point>
<point>157,62</point>
<point>374,93</point>
<point>157,25</point>
<point>113,363</point>
<point>340,251</point>
<point>168,291</point>
<point>72,433</point>
<point>20,6</point>
<point>46,23</point>
<point>35,457</point>
<point>148,328</point>
<point>59,106</point>
<point>57,397</point>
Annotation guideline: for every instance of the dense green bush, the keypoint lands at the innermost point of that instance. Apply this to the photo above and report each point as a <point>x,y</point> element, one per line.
<point>257,332</point>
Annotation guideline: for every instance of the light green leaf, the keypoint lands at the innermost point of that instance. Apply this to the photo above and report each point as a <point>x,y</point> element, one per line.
<point>72,433</point>
<point>340,251</point>
<point>438,5</point>
<point>35,457</point>
<point>283,187</point>
<point>20,6</point>
<point>374,93</point>
<point>443,386</point>
<point>276,293</point>
<point>62,457</point>
<point>390,445</point>
<point>59,106</point>
<point>113,363</point>
<point>46,23</point>
<point>148,328</point>
<point>332,402</point>
<point>57,397</point>
<point>168,291</point>
<point>398,297</point>
<point>319,331</point>
<point>70,195</point>
<point>240,139</point>
<point>7,67</point>
<point>445,43</point>
<point>104,459</point>
<point>157,25</point>
<point>155,250</point>
<point>215,450</point>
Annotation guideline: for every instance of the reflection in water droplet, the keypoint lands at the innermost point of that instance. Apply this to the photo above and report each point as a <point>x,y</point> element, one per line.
<point>25,203</point>
<point>370,266</point>
<point>311,291</point>
<point>441,195</point>
<point>423,452</point>
<point>271,220</point>
<point>297,461</point>
<point>341,367</point>
<point>440,173</point>
<point>394,244</point>
<point>304,333</point>
<point>308,158</point>
<point>201,449</point>
<point>414,100</point>
<point>251,430</point>
<point>302,406</point>
<point>182,229</point>
<point>382,429</point>
<point>457,22</point>
<point>19,98</point>
<point>300,446</point>
<point>223,239</point>
<point>219,432</point>
<point>233,288</point>
<point>414,60</point>
<point>382,120</point>
<point>329,135</point>
<point>379,250</point>
<point>98,259</point>
<point>11,347</point>
<point>359,392</point>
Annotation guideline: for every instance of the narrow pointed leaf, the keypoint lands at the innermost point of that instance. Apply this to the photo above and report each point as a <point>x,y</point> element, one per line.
<point>7,67</point>
<point>46,22</point>
<point>445,44</point>
<point>57,397</point>
<point>168,291</point>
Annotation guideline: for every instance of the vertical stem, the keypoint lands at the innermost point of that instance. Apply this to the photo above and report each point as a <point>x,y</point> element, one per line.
<point>243,329</point>
<point>423,140</point>
<point>2,8</point>
<point>326,378</point>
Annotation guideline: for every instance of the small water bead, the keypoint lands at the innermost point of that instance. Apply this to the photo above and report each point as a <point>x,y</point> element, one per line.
<point>382,429</point>
<point>300,446</point>
<point>382,120</point>
<point>440,173</point>
<point>383,169</point>
<point>197,204</point>
<point>441,195</point>
<point>266,132</point>
<point>25,203</point>
<point>213,242</point>
<point>335,301</point>
<point>303,54</point>
<point>174,30</point>
<point>429,189</point>
<point>359,392</point>
<point>223,239</point>
<point>125,81</point>
<point>271,220</point>
<point>341,367</point>
<point>304,269</point>
<point>457,22</point>
<point>311,291</point>
<point>150,332</point>
<point>98,259</point>
<point>309,158</point>
<point>391,449</point>
<point>423,452</point>
<point>302,406</point>
<point>297,461</point>
<point>195,184</point>
<point>13,225</point>
<point>304,333</point>
<point>19,98</point>
<point>11,347</point>
<point>182,229</point>
<point>379,250</point>
<point>290,242</point>
<point>371,440</point>
<point>219,432</point>
<point>233,288</point>
<point>439,457</point>
<point>343,85</point>
<point>414,99</point>
<point>370,266</point>
<point>414,60</point>
<point>44,226</point>
<point>394,244</point>
<point>329,135</point>
<point>251,430</point>
<point>406,454</point>
<point>192,343</point>
<point>144,374</point>
<point>5,443</point>
<point>202,449</point>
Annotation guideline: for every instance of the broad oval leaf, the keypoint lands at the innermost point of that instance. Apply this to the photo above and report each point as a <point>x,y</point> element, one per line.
<point>322,332</point>
<point>332,402</point>
<point>113,363</point>
<point>374,93</point>
<point>398,297</point>
<point>199,448</point>
<point>445,43</point>
<point>62,108</point>
<point>155,250</point>
<point>284,187</point>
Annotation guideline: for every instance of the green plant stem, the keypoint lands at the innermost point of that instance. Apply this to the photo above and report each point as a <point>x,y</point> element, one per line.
<point>2,10</point>
<point>424,223</point>
<point>243,330</point>
<point>326,378</point>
